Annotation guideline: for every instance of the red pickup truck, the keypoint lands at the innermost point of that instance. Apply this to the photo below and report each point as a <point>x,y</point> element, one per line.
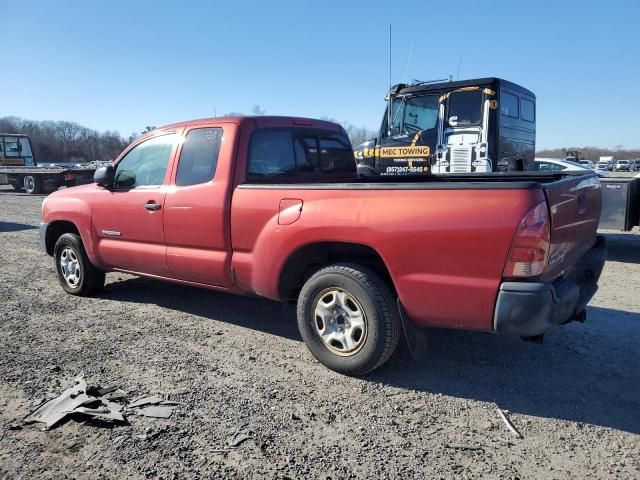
<point>273,206</point>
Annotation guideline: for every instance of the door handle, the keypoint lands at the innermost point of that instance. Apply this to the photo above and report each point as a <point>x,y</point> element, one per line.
<point>152,206</point>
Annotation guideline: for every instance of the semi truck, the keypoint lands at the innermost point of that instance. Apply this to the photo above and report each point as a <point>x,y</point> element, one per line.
<point>274,207</point>
<point>19,168</point>
<point>472,126</point>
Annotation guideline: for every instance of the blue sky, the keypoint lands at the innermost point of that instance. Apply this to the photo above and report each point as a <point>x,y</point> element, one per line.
<point>123,65</point>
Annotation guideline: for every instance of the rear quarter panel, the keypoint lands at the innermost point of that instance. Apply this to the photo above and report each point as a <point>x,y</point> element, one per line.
<point>445,248</point>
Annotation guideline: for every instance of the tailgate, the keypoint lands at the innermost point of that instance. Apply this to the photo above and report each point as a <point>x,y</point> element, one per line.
<point>574,205</point>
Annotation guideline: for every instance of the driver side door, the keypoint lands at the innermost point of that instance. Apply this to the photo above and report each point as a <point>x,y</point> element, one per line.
<point>127,219</point>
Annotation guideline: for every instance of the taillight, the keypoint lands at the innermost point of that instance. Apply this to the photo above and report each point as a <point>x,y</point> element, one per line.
<point>68,177</point>
<point>530,246</point>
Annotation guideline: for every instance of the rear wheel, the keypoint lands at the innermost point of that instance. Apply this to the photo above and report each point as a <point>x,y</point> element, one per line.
<point>348,319</point>
<point>76,273</point>
<point>32,184</point>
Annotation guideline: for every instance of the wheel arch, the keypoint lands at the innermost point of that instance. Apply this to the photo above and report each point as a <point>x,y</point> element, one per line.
<point>309,258</point>
<point>55,230</point>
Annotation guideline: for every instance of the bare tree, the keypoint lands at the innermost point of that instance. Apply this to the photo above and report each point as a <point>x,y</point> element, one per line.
<point>257,111</point>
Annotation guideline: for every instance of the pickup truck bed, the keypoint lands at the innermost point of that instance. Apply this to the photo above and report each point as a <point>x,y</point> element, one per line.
<point>282,214</point>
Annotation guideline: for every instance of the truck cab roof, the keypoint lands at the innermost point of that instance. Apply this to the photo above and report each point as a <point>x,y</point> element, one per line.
<point>405,89</point>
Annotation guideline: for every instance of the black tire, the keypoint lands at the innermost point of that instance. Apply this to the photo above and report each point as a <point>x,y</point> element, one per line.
<point>381,317</point>
<point>90,279</point>
<point>32,184</point>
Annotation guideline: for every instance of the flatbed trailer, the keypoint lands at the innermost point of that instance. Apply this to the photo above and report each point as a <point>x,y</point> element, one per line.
<point>18,168</point>
<point>40,179</point>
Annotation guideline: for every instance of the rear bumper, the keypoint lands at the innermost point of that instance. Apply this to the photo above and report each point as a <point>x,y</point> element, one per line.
<point>528,309</point>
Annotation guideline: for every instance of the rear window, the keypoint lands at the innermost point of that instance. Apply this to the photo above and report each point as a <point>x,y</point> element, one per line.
<point>465,108</point>
<point>287,154</point>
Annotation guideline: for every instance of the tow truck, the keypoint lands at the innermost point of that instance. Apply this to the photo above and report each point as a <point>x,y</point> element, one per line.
<point>19,168</point>
<point>471,126</point>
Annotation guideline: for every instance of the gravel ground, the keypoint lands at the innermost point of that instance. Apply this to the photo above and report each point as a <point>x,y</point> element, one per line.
<point>237,365</point>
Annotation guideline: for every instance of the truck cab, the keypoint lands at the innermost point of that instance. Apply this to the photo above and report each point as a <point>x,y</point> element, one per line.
<point>15,150</point>
<point>481,125</point>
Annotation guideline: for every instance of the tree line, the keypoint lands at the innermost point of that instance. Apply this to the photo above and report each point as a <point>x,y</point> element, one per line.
<point>62,141</point>
<point>592,153</point>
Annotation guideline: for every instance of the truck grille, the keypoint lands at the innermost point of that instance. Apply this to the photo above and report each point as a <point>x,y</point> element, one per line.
<point>460,160</point>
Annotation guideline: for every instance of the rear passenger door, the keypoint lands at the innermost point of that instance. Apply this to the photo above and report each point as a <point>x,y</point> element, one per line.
<point>196,221</point>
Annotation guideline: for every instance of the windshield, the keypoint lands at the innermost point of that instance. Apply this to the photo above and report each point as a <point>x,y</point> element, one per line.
<point>465,108</point>
<point>420,113</point>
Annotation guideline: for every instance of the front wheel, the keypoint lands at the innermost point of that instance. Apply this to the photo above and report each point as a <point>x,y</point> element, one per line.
<point>76,273</point>
<point>348,319</point>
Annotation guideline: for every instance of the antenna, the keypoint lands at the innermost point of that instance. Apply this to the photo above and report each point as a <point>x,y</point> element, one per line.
<point>389,119</point>
<point>459,63</point>
<point>389,56</point>
<point>406,68</point>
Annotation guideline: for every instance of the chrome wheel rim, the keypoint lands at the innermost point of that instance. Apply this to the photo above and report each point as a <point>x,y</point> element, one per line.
<point>70,267</point>
<point>339,321</point>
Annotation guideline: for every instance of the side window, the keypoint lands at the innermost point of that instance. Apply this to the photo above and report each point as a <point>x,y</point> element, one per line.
<point>271,155</point>
<point>396,116</point>
<point>509,105</point>
<point>527,110</point>
<point>199,156</point>
<point>146,163</point>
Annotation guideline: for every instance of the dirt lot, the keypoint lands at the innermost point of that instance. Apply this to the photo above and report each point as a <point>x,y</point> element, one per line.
<point>237,364</point>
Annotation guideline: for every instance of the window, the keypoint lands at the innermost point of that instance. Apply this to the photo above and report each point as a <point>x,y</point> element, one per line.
<point>465,108</point>
<point>12,146</point>
<point>548,167</point>
<point>420,113</point>
<point>271,154</point>
<point>509,105</point>
<point>527,110</point>
<point>199,156</point>
<point>396,117</point>
<point>285,153</point>
<point>336,155</point>
<point>146,163</point>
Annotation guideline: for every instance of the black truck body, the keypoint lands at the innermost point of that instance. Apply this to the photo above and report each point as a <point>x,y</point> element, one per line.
<point>480,125</point>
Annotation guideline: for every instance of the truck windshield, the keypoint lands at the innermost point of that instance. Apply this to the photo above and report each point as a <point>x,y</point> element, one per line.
<point>420,113</point>
<point>465,108</point>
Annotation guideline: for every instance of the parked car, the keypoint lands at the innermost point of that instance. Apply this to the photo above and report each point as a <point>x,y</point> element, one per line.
<point>603,166</point>
<point>278,210</point>
<point>634,164</point>
<point>557,165</point>
<point>621,166</point>
<point>587,164</point>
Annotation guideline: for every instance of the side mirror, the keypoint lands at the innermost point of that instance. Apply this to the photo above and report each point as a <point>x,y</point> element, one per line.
<point>104,176</point>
